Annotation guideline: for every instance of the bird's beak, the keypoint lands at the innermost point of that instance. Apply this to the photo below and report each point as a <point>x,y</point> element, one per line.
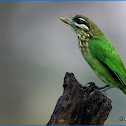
<point>65,20</point>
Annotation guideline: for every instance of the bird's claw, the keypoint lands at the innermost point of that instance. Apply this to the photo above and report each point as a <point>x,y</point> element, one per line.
<point>91,84</point>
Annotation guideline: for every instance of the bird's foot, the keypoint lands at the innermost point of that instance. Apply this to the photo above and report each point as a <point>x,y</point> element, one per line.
<point>91,84</point>
<point>102,89</point>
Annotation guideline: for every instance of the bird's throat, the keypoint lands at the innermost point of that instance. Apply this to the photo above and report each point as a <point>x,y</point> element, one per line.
<point>83,44</point>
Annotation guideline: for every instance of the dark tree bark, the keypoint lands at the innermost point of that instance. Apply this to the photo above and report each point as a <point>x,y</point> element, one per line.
<point>80,105</point>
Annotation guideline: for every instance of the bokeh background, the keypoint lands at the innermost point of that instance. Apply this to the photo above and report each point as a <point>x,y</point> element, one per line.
<point>37,49</point>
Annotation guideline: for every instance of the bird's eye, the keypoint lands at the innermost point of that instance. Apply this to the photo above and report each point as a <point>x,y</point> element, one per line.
<point>79,21</point>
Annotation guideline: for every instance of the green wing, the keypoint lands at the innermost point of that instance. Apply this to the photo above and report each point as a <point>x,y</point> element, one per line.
<point>106,53</point>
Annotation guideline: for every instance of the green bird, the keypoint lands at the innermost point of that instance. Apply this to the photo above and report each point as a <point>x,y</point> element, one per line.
<point>98,51</point>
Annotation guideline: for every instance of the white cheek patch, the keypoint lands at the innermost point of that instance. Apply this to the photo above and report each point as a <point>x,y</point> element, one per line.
<point>82,26</point>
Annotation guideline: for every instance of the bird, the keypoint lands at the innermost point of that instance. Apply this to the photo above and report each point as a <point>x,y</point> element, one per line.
<point>98,52</point>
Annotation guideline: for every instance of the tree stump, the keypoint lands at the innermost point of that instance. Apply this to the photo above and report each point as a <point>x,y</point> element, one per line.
<point>80,105</point>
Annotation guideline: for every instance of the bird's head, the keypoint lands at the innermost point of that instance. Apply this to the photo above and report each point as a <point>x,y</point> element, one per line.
<point>82,25</point>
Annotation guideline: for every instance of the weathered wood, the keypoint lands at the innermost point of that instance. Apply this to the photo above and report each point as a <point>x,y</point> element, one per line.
<point>80,105</point>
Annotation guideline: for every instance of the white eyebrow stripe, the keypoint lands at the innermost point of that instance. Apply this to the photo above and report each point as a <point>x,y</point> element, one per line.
<point>83,26</point>
<point>82,19</point>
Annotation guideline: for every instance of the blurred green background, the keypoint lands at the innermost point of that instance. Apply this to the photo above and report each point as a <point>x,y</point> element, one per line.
<point>37,49</point>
